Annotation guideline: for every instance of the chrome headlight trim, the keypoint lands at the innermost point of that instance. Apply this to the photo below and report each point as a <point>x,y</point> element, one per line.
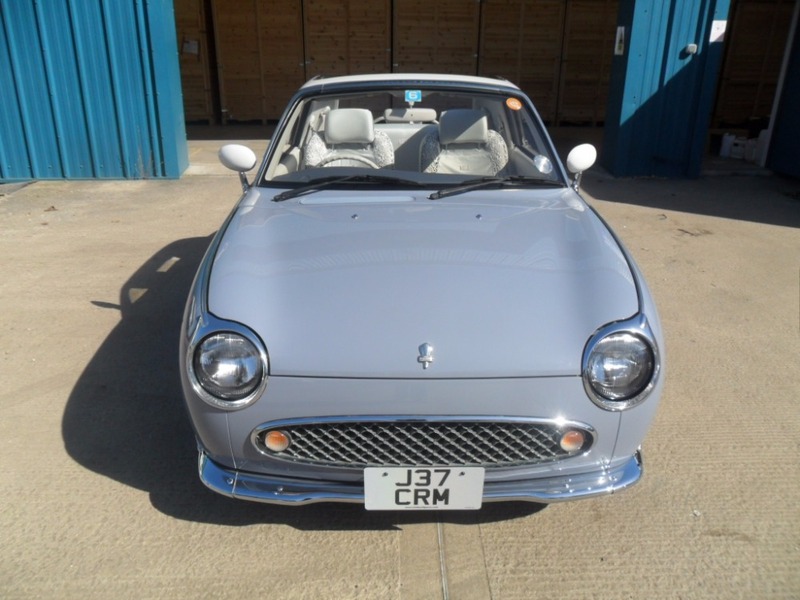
<point>199,324</point>
<point>638,327</point>
<point>208,325</point>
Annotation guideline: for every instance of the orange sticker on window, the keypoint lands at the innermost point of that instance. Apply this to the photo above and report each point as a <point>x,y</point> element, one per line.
<point>513,104</point>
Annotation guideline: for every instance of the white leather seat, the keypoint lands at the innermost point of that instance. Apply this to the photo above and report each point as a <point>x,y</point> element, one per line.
<point>348,139</point>
<point>463,144</point>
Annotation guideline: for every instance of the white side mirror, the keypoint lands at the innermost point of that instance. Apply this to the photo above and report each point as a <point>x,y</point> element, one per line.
<point>238,158</point>
<point>580,159</point>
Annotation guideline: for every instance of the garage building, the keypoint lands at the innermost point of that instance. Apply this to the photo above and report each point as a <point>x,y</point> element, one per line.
<point>115,66</point>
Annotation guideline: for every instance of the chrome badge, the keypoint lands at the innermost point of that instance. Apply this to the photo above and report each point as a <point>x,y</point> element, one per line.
<point>425,355</point>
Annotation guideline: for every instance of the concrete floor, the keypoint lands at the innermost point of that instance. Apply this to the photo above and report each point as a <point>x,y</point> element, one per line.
<point>100,497</point>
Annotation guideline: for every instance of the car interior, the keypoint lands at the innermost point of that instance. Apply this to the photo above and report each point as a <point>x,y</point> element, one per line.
<point>451,135</point>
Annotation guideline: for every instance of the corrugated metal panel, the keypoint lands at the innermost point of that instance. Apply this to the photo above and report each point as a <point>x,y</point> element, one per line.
<point>662,93</point>
<point>91,89</point>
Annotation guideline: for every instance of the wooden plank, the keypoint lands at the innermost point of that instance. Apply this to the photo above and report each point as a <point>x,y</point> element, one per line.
<point>754,45</point>
<point>259,56</point>
<point>193,50</point>
<point>589,32</point>
<point>280,35</point>
<point>238,59</point>
<point>439,36</point>
<point>346,36</point>
<point>521,41</point>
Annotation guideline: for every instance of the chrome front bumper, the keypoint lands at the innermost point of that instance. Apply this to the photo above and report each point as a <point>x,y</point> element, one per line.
<point>279,490</point>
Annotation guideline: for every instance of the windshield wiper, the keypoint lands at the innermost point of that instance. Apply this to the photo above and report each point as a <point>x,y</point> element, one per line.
<point>484,182</point>
<point>326,182</point>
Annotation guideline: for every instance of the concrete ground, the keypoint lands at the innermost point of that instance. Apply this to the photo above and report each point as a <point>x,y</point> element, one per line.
<point>100,498</point>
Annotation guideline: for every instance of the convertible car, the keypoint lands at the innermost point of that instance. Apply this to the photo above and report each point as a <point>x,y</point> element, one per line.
<point>411,307</point>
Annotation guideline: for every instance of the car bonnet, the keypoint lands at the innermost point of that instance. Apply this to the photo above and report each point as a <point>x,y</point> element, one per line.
<point>507,283</point>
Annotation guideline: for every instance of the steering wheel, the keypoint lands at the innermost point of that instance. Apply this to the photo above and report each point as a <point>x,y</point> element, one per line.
<point>347,157</point>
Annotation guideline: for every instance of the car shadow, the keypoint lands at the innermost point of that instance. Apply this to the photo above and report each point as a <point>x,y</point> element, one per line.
<point>125,417</point>
<point>768,200</point>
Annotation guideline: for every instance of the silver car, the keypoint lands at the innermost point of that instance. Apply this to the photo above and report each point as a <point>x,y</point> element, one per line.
<point>412,307</point>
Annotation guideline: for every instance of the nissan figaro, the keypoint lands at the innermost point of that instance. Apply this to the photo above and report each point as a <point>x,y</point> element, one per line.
<point>412,307</point>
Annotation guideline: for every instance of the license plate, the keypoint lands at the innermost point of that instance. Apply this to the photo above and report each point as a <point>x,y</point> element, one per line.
<point>418,488</point>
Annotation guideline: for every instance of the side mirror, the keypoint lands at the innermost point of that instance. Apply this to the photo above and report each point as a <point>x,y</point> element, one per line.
<point>238,158</point>
<point>580,158</point>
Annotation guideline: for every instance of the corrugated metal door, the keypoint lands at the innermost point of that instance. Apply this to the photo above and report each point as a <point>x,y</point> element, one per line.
<point>663,84</point>
<point>91,89</point>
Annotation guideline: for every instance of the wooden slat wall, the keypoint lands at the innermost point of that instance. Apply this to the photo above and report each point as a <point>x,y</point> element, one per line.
<point>190,21</point>
<point>589,32</point>
<point>347,36</point>
<point>755,44</point>
<point>436,36</point>
<point>238,59</point>
<point>521,41</point>
<point>267,48</point>
<point>558,51</point>
<point>280,23</point>
<point>259,56</point>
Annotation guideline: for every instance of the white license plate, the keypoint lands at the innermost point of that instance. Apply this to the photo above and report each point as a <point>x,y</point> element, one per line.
<point>423,488</point>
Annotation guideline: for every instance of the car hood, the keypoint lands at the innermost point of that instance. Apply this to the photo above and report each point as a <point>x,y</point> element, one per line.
<point>507,283</point>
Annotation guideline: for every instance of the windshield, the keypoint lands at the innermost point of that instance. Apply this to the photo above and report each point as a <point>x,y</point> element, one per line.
<point>415,137</point>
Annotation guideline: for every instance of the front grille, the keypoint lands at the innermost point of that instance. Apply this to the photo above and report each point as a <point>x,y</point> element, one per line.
<point>358,444</point>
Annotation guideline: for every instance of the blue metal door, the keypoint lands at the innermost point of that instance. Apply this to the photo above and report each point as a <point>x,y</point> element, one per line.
<point>90,89</point>
<point>663,84</point>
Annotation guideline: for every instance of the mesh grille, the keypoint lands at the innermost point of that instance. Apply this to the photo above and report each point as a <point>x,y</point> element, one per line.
<point>397,443</point>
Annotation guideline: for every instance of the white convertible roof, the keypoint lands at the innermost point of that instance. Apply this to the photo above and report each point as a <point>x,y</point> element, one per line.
<point>403,79</point>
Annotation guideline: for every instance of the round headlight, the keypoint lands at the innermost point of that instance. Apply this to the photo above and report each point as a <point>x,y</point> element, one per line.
<point>619,367</point>
<point>228,366</point>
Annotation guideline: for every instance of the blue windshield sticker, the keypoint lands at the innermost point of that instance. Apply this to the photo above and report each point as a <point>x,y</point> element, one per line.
<point>413,95</point>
